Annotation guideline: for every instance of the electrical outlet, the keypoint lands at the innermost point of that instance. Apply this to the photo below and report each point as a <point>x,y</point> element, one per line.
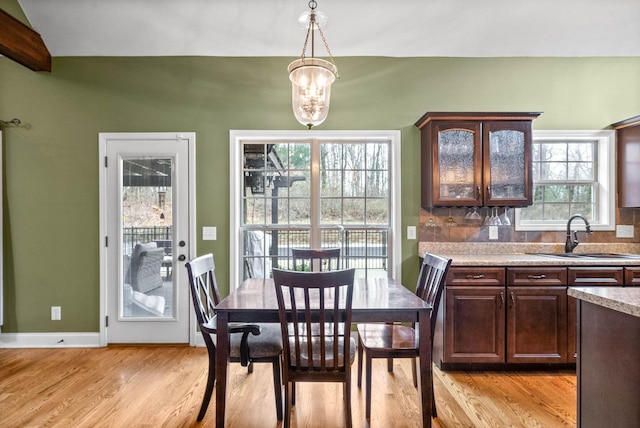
<point>624,231</point>
<point>493,232</point>
<point>56,313</point>
<point>209,233</point>
<point>411,232</point>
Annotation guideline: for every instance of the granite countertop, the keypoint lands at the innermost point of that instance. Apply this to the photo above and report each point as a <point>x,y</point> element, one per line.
<point>621,299</point>
<point>524,254</point>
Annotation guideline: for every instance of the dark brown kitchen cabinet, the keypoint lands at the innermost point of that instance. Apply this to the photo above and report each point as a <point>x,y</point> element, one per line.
<point>536,324</point>
<point>471,322</point>
<point>476,159</point>
<point>580,276</point>
<point>628,163</point>
<point>536,315</point>
<point>474,325</point>
<point>497,315</point>
<point>632,276</point>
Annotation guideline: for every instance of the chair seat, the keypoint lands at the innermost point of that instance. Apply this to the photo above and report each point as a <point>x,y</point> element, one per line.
<point>388,336</point>
<point>267,344</point>
<point>315,344</point>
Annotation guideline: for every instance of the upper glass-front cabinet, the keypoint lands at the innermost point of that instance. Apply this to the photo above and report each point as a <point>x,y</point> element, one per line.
<point>474,159</point>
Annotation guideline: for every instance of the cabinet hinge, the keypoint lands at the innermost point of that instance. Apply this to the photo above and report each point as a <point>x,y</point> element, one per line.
<point>106,164</point>
<point>106,241</point>
<point>106,321</point>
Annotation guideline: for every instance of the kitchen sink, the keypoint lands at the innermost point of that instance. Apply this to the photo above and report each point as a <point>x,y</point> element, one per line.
<point>589,255</point>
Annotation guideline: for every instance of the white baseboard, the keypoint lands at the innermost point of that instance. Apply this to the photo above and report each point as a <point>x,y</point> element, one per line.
<point>49,340</point>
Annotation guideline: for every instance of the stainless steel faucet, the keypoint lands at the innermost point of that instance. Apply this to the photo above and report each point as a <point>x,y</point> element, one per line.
<point>573,242</point>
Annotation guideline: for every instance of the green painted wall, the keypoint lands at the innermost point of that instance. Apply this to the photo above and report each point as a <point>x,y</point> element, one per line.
<point>51,242</point>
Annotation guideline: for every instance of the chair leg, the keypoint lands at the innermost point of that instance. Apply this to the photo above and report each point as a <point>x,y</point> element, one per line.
<point>368,388</point>
<point>347,404</point>
<point>211,380</point>
<point>434,414</point>
<point>414,369</point>
<point>390,365</point>
<point>287,404</point>
<point>293,393</point>
<point>277,387</point>
<point>250,367</point>
<point>360,352</point>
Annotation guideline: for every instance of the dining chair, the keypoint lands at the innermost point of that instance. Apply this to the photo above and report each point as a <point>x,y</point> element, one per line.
<point>249,343</point>
<point>319,302</point>
<point>398,341</point>
<point>310,260</point>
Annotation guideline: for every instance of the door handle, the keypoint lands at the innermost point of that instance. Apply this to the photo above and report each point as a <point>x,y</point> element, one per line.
<point>182,257</point>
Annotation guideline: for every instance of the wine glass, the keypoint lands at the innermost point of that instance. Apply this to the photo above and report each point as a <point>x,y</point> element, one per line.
<point>487,218</point>
<point>495,220</point>
<point>505,218</point>
<point>474,214</point>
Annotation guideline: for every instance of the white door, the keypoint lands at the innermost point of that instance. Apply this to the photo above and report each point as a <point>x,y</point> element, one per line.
<point>147,206</point>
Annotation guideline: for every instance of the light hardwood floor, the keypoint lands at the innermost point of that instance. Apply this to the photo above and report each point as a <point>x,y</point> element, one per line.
<point>162,386</point>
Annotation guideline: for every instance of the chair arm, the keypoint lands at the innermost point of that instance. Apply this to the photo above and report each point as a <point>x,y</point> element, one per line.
<point>244,342</point>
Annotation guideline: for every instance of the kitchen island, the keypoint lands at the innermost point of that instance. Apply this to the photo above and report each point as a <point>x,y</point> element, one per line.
<point>608,366</point>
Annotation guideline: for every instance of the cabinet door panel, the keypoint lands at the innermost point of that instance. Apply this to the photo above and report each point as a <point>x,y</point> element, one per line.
<point>474,325</point>
<point>507,163</point>
<point>457,155</point>
<point>628,140</point>
<point>537,324</point>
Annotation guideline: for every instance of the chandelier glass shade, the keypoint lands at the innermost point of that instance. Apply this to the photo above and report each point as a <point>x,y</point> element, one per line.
<point>311,80</point>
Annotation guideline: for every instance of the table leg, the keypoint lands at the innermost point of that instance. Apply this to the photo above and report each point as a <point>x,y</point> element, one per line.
<point>222,362</point>
<point>425,366</point>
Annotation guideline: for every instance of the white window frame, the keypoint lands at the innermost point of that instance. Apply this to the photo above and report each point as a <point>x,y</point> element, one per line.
<point>236,137</point>
<point>606,179</point>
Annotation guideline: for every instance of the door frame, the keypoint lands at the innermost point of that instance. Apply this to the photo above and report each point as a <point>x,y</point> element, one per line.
<point>191,214</point>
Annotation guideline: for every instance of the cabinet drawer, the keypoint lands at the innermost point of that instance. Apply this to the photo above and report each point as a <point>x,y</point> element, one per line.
<point>537,276</point>
<point>478,276</point>
<point>595,275</point>
<point>632,275</point>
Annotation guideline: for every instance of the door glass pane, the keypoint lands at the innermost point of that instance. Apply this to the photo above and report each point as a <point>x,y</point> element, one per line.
<point>455,160</point>
<point>147,289</point>
<point>506,152</point>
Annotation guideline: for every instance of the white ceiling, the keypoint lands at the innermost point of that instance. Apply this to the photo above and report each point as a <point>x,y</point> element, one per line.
<point>397,28</point>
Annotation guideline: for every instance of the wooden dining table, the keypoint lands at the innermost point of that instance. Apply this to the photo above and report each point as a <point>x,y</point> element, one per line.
<point>374,300</point>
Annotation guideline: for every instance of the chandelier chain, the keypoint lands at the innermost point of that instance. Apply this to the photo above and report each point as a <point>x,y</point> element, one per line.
<point>310,27</point>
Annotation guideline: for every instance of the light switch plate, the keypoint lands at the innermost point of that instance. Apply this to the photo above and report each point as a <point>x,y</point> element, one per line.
<point>493,232</point>
<point>209,233</point>
<point>56,313</point>
<point>411,232</point>
<point>624,231</point>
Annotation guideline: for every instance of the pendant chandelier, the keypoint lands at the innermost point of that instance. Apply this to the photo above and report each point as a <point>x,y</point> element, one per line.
<point>311,77</point>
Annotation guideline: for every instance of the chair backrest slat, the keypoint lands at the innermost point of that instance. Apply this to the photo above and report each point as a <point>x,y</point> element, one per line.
<point>204,287</point>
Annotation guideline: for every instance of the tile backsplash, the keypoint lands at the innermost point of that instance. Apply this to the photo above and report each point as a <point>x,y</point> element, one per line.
<point>457,225</point>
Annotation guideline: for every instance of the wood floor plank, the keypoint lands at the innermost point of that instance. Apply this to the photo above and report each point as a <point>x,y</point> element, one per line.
<point>162,386</point>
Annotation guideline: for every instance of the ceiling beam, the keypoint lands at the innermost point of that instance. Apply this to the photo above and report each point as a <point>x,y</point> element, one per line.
<point>22,44</point>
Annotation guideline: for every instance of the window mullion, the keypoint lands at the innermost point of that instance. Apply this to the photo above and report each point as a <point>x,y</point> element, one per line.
<point>315,239</point>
